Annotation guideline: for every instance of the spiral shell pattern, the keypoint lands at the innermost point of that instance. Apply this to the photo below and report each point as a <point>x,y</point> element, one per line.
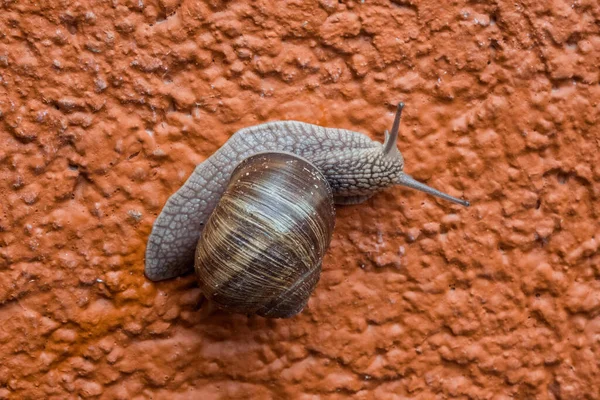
<point>262,247</point>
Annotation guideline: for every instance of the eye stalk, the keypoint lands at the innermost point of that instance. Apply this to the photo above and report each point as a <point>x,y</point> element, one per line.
<point>409,181</point>
<point>391,140</point>
<point>403,179</point>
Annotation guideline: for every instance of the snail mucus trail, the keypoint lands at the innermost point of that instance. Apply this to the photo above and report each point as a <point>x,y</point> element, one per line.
<point>196,225</point>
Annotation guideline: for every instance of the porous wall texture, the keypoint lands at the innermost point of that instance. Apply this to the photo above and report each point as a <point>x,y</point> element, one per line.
<point>107,106</point>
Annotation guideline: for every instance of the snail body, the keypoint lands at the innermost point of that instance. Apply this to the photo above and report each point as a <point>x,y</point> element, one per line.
<point>261,249</point>
<point>354,167</point>
<point>338,153</point>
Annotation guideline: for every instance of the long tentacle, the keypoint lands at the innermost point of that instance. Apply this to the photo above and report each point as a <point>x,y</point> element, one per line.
<point>409,181</point>
<point>391,140</point>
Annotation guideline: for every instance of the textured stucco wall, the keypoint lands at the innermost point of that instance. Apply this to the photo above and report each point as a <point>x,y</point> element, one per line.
<point>106,106</point>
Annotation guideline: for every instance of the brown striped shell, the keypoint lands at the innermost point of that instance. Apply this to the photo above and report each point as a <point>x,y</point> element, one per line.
<point>262,247</point>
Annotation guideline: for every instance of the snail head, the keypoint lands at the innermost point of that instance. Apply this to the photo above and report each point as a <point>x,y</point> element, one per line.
<point>394,162</point>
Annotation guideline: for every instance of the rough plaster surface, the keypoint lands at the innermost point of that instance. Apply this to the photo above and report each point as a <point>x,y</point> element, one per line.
<point>106,106</point>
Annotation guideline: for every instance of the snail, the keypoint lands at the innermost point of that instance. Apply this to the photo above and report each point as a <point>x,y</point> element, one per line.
<point>354,167</point>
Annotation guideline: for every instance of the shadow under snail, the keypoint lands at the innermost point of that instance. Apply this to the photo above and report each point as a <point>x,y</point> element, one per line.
<point>256,218</point>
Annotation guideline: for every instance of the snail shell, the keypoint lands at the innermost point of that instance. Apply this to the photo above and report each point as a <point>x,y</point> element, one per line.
<point>261,249</point>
